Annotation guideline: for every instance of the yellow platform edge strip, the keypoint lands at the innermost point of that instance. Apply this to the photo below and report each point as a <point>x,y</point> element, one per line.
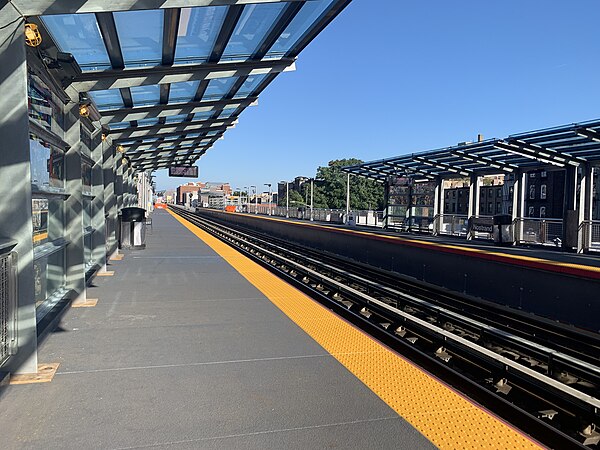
<point>446,418</point>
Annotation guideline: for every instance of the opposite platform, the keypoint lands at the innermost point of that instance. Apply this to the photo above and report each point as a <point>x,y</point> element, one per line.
<point>182,352</point>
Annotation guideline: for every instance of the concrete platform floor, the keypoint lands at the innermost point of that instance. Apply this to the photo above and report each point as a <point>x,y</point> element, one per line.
<point>182,352</point>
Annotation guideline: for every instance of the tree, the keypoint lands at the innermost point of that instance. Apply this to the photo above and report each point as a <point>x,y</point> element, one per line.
<point>295,199</point>
<point>330,188</point>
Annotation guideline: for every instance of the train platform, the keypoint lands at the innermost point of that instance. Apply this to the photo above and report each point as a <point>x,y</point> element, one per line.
<point>542,257</point>
<point>192,345</point>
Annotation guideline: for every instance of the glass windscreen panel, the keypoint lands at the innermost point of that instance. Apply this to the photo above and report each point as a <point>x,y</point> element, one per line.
<point>218,88</point>
<point>250,85</point>
<point>145,95</point>
<point>79,35</point>
<point>183,92</point>
<point>47,217</point>
<point>254,24</point>
<point>107,99</point>
<point>48,275</point>
<point>197,33</point>
<point>300,25</point>
<point>42,105</point>
<point>140,35</point>
<point>47,165</point>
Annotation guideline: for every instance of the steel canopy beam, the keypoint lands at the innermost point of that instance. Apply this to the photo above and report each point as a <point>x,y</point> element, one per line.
<point>535,152</point>
<point>145,112</point>
<point>545,152</point>
<point>123,78</point>
<point>169,130</point>
<point>485,161</point>
<point>182,132</point>
<point>407,169</point>
<point>443,166</point>
<point>47,7</point>
<point>161,143</point>
<point>208,122</point>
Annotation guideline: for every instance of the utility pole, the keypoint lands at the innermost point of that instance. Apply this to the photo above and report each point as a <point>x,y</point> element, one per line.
<point>287,199</point>
<point>347,197</point>
<point>312,185</point>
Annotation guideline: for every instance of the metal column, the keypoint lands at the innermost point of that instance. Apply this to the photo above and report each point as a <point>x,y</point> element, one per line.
<point>474,191</point>
<point>347,197</point>
<point>98,222</point>
<point>15,182</point>
<point>438,206</point>
<point>110,199</point>
<point>569,234</point>
<point>518,204</point>
<point>75,264</point>
<point>584,240</point>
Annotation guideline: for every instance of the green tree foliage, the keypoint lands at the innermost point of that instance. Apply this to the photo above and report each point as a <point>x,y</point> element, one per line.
<point>330,188</point>
<point>295,199</point>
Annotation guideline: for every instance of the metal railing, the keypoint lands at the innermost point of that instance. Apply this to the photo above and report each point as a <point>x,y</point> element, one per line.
<point>591,235</point>
<point>8,293</point>
<point>359,217</point>
<point>538,231</point>
<point>451,224</point>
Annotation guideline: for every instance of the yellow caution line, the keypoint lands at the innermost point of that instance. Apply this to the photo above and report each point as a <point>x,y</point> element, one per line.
<point>443,416</point>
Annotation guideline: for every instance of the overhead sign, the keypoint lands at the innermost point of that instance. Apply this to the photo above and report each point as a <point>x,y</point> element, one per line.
<point>183,171</point>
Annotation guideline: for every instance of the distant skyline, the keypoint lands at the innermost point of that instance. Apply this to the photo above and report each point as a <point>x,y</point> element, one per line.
<point>401,77</point>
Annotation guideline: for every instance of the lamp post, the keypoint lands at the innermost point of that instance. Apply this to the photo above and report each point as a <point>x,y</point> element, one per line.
<point>239,202</point>
<point>255,199</point>
<point>270,198</point>
<point>246,203</point>
<point>312,185</point>
<point>287,199</point>
<point>347,197</point>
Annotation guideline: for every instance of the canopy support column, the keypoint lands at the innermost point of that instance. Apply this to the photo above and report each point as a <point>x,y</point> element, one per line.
<point>570,215</point>
<point>584,240</point>
<point>16,228</point>
<point>438,206</point>
<point>474,188</point>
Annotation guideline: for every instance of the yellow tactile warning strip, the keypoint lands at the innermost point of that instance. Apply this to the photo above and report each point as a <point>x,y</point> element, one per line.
<point>425,243</point>
<point>45,374</point>
<point>442,415</point>
<point>108,273</point>
<point>89,303</point>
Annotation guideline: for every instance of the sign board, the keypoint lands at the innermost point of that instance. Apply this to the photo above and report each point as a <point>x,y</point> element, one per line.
<point>183,171</point>
<point>481,224</point>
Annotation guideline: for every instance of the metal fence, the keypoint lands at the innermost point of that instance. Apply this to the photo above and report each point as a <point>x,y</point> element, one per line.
<point>8,290</point>
<point>591,235</point>
<point>338,216</point>
<point>538,231</point>
<point>451,224</point>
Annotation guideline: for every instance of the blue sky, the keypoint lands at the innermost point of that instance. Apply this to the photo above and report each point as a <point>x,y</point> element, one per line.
<point>391,77</point>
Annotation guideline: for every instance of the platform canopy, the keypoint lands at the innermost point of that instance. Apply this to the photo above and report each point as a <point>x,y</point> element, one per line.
<point>562,146</point>
<point>169,77</point>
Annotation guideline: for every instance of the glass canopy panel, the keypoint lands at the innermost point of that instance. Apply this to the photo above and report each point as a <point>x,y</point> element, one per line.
<point>119,126</point>
<point>140,35</point>
<point>218,88</point>
<point>108,99</point>
<point>250,85</point>
<point>176,119</point>
<point>227,113</point>
<point>146,122</point>
<point>183,92</point>
<point>203,115</point>
<point>254,24</point>
<point>303,22</point>
<point>145,95</point>
<point>198,31</point>
<point>79,35</point>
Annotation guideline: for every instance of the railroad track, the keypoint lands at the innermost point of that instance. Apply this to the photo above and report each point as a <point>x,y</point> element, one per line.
<point>541,376</point>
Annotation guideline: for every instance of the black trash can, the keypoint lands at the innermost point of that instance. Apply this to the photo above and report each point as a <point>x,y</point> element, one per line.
<point>503,229</point>
<point>132,228</point>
